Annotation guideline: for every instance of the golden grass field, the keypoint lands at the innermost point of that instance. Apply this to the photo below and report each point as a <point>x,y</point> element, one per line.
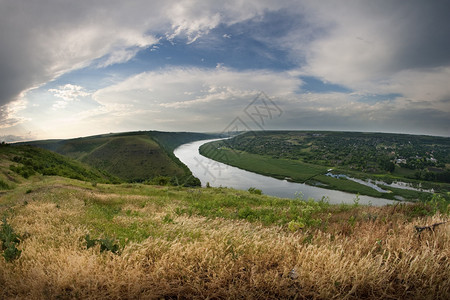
<point>170,248</point>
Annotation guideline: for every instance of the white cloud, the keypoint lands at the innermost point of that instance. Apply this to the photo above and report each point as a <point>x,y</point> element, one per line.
<point>424,87</point>
<point>9,113</point>
<point>188,98</point>
<point>190,87</point>
<point>67,93</point>
<point>192,98</point>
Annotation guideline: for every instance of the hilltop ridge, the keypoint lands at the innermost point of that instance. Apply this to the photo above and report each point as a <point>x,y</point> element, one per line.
<point>132,156</point>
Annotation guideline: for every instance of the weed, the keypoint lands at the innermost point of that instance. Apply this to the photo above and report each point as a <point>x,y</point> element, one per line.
<point>106,244</point>
<point>168,219</point>
<point>9,241</point>
<point>255,191</point>
<point>295,226</point>
<point>89,242</point>
<point>438,203</point>
<point>4,185</point>
<point>308,239</point>
<point>352,221</point>
<point>356,201</point>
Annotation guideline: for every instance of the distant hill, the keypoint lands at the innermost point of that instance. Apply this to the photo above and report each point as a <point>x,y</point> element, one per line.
<point>132,156</point>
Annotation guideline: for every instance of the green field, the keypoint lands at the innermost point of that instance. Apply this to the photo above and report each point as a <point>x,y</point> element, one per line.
<point>279,168</point>
<point>26,161</point>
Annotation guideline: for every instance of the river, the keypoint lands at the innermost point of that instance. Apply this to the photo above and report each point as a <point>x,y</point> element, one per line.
<point>219,174</point>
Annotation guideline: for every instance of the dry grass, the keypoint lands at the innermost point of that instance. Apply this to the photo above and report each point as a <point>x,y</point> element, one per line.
<point>195,257</point>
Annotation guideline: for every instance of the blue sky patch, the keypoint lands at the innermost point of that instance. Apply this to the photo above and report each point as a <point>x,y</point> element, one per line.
<point>315,85</point>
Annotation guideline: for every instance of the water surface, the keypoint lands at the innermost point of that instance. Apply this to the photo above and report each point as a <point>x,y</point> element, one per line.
<point>218,174</point>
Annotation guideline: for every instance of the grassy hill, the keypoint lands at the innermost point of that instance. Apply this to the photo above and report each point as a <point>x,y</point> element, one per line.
<point>63,239</point>
<point>21,162</point>
<point>133,156</point>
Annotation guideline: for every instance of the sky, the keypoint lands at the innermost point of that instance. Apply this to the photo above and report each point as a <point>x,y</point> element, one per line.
<point>79,68</point>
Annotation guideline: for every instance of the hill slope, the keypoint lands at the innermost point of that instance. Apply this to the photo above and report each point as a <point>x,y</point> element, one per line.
<point>67,239</point>
<point>20,162</point>
<point>132,156</point>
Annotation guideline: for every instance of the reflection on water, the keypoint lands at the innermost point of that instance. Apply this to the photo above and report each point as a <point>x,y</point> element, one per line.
<point>219,174</point>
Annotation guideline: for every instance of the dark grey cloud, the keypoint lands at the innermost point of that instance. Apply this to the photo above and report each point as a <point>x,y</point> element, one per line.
<point>422,31</point>
<point>44,39</point>
<point>408,120</point>
<point>423,121</point>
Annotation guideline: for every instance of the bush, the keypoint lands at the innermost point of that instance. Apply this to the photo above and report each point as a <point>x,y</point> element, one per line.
<point>161,180</point>
<point>9,241</point>
<point>4,185</point>
<point>255,191</point>
<point>106,244</point>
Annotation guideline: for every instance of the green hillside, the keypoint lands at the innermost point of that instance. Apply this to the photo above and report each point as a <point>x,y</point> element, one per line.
<point>21,162</point>
<point>132,156</point>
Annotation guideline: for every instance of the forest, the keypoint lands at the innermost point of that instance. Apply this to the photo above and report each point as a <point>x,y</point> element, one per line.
<point>415,157</point>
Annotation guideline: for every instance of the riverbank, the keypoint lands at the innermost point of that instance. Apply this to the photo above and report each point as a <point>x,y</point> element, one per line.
<point>300,172</point>
<point>217,174</point>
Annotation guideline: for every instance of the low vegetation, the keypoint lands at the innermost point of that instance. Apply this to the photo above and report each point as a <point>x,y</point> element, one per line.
<point>139,241</point>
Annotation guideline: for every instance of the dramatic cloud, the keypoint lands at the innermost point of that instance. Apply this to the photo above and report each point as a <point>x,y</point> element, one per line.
<point>43,40</point>
<point>192,64</point>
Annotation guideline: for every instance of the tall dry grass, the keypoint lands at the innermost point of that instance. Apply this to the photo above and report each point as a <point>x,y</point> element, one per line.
<point>195,257</point>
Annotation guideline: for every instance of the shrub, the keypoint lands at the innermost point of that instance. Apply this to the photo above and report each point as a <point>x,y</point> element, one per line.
<point>9,241</point>
<point>4,185</point>
<point>255,191</point>
<point>161,180</point>
<point>106,244</point>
